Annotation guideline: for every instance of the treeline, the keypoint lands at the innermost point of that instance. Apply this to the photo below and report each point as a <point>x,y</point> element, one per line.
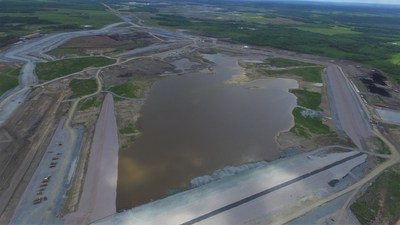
<point>144,8</point>
<point>34,6</point>
<point>299,5</point>
<point>24,20</point>
<point>366,48</point>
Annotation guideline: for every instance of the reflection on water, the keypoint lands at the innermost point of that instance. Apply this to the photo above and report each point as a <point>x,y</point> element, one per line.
<point>194,124</point>
<point>390,116</point>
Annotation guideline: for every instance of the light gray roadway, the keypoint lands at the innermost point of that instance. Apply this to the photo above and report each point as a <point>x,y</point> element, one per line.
<point>46,211</point>
<point>348,108</point>
<point>33,50</point>
<point>253,195</point>
<point>346,104</point>
<point>99,191</point>
<point>29,53</point>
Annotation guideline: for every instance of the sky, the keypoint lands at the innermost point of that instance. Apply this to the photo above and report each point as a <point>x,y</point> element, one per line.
<point>363,1</point>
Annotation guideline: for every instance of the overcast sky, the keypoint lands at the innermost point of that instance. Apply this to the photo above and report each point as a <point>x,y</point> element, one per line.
<point>365,1</point>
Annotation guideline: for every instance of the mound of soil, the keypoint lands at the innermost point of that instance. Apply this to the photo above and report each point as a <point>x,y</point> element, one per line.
<point>371,85</point>
<point>378,78</point>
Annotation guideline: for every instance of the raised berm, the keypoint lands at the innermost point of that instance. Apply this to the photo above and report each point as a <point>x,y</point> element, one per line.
<point>252,196</point>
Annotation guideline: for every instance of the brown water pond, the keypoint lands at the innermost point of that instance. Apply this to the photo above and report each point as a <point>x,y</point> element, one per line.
<point>194,124</point>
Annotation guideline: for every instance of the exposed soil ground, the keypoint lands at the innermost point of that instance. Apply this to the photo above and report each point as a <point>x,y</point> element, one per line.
<point>375,88</point>
<point>87,118</point>
<point>102,44</point>
<point>24,140</point>
<point>127,113</point>
<point>144,67</point>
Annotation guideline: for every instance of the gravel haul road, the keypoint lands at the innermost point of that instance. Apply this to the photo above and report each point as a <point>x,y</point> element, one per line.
<point>240,199</point>
<point>347,106</point>
<point>99,190</point>
<point>30,53</point>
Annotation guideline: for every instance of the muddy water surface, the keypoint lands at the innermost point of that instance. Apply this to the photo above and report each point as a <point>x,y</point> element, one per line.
<point>194,124</point>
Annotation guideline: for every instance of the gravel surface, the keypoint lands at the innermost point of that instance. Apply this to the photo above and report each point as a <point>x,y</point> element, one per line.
<point>46,212</point>
<point>347,107</point>
<point>99,190</point>
<point>29,53</point>
<point>243,192</point>
<point>321,214</point>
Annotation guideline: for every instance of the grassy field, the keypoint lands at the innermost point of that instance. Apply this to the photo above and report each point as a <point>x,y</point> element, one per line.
<point>306,126</point>
<point>18,18</point>
<point>395,59</point>
<point>130,129</point>
<point>308,99</point>
<point>52,70</point>
<point>58,52</point>
<point>249,17</point>
<point>335,30</point>
<point>282,62</point>
<point>308,74</point>
<point>94,18</point>
<point>380,203</point>
<point>135,88</point>
<point>8,77</point>
<point>384,149</point>
<point>130,132</point>
<point>128,90</point>
<point>89,103</point>
<point>363,34</point>
<point>64,17</point>
<point>81,87</point>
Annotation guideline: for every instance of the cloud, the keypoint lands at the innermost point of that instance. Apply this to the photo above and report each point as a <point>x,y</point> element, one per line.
<point>362,1</point>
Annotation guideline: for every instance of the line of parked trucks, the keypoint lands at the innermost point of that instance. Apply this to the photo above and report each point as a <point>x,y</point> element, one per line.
<point>39,198</point>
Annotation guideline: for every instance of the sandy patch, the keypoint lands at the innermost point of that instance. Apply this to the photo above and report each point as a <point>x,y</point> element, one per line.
<point>238,79</point>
